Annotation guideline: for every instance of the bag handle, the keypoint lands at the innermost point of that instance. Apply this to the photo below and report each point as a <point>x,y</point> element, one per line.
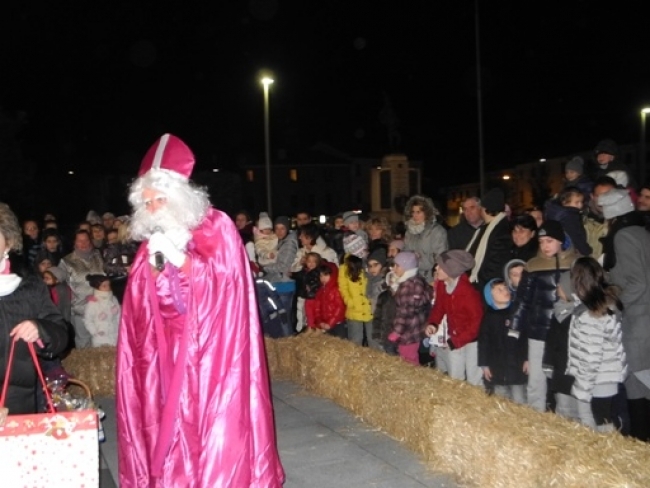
<point>5,385</point>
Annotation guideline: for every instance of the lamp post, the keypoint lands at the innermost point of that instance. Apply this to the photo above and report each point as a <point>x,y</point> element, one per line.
<point>266,81</point>
<point>642,150</point>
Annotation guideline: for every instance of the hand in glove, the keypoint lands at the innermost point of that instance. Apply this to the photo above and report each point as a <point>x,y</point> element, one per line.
<point>159,242</point>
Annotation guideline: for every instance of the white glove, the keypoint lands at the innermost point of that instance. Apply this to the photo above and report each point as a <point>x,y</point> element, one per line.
<point>179,237</point>
<point>159,242</point>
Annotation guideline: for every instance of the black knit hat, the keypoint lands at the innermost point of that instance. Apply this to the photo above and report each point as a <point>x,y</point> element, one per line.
<point>553,229</point>
<point>283,220</point>
<point>606,146</point>
<point>378,255</point>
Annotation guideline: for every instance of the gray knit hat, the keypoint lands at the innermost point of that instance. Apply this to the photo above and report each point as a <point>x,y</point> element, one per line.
<point>283,220</point>
<point>576,164</point>
<point>350,217</point>
<point>454,262</point>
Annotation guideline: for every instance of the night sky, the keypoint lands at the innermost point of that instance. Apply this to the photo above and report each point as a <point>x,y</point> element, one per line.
<point>99,81</point>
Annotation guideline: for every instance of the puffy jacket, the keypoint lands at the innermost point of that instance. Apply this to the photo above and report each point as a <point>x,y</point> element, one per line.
<point>412,306</point>
<point>464,310</point>
<point>354,295</point>
<point>537,292</point>
<point>328,303</point>
<point>596,354</point>
<point>30,301</point>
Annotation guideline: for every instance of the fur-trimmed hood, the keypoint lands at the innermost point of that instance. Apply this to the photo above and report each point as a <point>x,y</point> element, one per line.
<point>429,208</point>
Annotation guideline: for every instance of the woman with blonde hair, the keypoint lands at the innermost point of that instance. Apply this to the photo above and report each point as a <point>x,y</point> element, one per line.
<point>379,233</point>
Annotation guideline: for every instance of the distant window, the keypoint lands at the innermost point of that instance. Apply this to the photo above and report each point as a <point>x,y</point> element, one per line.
<point>293,174</point>
<point>384,189</point>
<point>250,175</point>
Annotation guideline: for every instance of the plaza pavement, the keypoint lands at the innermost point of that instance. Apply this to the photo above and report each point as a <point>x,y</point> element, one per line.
<point>321,445</point>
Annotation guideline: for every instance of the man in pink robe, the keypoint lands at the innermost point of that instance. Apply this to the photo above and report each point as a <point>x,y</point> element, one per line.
<point>193,402</point>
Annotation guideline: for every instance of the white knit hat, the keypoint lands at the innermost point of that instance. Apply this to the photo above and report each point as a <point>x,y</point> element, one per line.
<point>264,222</point>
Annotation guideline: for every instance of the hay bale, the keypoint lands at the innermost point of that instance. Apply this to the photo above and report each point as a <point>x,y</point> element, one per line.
<point>483,440</point>
<point>95,366</point>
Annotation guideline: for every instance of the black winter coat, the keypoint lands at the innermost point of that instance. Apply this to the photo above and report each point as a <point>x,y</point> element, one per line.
<point>30,301</point>
<point>556,355</point>
<point>504,355</point>
<point>383,318</point>
<point>497,252</point>
<point>537,292</point>
<point>527,251</point>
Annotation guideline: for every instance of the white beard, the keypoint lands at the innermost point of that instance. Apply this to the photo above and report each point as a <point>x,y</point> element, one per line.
<point>145,223</point>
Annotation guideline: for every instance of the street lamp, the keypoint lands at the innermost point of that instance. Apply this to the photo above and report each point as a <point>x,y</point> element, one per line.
<point>642,156</point>
<point>266,81</point>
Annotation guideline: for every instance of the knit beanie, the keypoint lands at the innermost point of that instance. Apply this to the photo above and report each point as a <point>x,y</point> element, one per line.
<point>494,201</point>
<point>553,229</point>
<point>285,221</point>
<point>615,202</point>
<point>406,260</point>
<point>576,164</point>
<point>397,244</point>
<point>59,273</point>
<point>264,222</point>
<point>606,146</point>
<point>355,245</point>
<point>378,255</point>
<point>350,217</point>
<point>454,262</point>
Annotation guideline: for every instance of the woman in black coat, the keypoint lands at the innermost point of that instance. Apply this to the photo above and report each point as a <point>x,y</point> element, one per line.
<point>27,314</point>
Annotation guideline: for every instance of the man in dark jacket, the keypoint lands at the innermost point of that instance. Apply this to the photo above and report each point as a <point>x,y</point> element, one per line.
<point>491,245</point>
<point>470,221</point>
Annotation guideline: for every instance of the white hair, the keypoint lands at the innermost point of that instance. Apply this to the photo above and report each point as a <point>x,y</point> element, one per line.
<point>186,205</point>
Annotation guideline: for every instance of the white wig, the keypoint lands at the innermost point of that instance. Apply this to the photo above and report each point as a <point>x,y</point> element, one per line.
<point>187,202</point>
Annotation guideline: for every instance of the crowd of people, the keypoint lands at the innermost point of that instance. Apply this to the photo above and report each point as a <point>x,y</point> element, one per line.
<point>545,307</point>
<point>548,307</point>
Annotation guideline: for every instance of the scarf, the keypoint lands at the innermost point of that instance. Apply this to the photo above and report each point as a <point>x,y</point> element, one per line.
<point>409,273</point>
<point>482,246</point>
<point>8,281</point>
<point>450,285</point>
<point>414,228</point>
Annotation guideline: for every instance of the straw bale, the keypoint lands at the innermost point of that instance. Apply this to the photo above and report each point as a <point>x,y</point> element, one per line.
<point>483,440</point>
<point>95,366</point>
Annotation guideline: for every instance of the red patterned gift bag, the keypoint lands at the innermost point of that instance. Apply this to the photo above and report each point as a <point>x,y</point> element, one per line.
<point>55,449</point>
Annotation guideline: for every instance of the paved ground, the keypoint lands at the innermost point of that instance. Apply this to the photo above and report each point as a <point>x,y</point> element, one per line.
<point>321,445</point>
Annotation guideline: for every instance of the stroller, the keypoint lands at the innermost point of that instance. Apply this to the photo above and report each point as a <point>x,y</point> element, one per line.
<point>275,319</point>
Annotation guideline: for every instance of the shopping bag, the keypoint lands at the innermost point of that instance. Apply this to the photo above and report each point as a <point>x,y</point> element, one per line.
<point>54,449</point>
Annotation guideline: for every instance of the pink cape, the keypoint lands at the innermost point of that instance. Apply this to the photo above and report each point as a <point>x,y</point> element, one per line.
<point>208,423</point>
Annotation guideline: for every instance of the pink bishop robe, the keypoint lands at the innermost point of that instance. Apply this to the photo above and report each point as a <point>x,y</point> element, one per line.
<point>193,398</point>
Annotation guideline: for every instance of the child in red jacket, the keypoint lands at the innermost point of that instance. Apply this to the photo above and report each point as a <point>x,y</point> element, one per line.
<point>461,303</point>
<point>327,307</point>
